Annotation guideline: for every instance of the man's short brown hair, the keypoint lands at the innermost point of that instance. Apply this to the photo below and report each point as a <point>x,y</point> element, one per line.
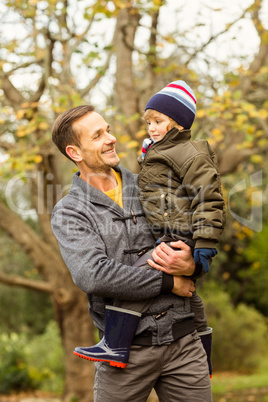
<point>63,133</point>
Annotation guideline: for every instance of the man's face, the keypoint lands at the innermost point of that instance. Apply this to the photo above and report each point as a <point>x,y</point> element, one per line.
<point>97,145</point>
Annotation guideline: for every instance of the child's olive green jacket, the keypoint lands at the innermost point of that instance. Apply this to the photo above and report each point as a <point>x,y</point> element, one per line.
<point>99,242</point>
<point>180,189</point>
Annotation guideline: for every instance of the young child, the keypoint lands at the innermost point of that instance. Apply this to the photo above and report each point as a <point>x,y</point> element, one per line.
<point>180,190</point>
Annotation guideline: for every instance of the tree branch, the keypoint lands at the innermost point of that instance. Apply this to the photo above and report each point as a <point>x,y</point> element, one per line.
<point>94,82</point>
<point>6,146</point>
<point>37,95</point>
<point>27,64</point>
<point>260,58</point>
<point>81,37</point>
<point>213,37</point>
<point>41,253</point>
<point>11,93</point>
<point>33,284</point>
<point>232,157</point>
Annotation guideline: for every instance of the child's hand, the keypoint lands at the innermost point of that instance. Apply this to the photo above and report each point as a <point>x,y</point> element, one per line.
<point>202,255</point>
<point>174,262</point>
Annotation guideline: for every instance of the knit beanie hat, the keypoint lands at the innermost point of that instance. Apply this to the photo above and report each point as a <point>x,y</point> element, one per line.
<point>177,101</point>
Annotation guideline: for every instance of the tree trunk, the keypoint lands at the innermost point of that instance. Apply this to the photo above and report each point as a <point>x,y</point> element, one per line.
<point>70,303</point>
<point>125,89</point>
<point>77,330</point>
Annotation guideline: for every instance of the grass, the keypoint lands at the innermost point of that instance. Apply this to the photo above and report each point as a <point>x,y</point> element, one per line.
<point>227,383</point>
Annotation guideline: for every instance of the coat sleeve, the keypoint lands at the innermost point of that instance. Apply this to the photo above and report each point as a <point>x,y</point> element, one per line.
<point>84,253</point>
<point>201,181</point>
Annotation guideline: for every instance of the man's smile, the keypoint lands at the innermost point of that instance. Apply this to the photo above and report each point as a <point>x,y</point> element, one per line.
<point>109,151</point>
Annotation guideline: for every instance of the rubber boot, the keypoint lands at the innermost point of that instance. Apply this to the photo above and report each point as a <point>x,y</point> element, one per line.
<point>114,347</point>
<point>206,339</point>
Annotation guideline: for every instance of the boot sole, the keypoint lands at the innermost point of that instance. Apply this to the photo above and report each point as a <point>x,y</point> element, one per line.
<point>112,363</point>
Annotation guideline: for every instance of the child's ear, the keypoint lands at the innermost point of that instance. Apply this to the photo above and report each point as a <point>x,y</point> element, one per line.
<point>74,153</point>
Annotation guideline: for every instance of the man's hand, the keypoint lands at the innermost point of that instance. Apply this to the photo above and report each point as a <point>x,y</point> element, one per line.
<point>173,262</point>
<point>183,286</point>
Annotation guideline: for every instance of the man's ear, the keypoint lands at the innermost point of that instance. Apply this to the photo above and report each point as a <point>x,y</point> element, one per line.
<point>74,153</point>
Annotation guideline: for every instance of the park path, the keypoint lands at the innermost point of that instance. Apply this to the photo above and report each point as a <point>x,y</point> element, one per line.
<point>30,397</point>
<point>249,395</point>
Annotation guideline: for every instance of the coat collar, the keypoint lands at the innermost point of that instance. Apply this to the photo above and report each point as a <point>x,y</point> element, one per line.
<point>180,136</point>
<point>82,189</point>
<point>173,136</point>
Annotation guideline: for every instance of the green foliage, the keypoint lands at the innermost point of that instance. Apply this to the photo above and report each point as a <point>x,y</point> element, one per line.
<point>240,266</point>
<point>50,362</point>
<point>14,373</point>
<point>24,310</point>
<point>256,276</point>
<point>239,333</point>
<point>241,384</point>
<point>31,364</point>
<point>21,309</point>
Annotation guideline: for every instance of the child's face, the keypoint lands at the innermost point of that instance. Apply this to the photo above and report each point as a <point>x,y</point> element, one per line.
<point>157,125</point>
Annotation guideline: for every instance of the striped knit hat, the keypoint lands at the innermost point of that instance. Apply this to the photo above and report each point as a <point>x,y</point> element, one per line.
<point>177,101</point>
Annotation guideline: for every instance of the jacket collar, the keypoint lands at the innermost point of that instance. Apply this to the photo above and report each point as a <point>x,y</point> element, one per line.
<point>178,136</point>
<point>174,136</point>
<point>82,189</point>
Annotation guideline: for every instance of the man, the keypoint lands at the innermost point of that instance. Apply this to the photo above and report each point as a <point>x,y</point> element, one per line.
<point>101,230</point>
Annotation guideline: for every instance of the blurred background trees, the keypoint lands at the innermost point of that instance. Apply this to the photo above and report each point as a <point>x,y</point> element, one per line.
<point>115,55</point>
